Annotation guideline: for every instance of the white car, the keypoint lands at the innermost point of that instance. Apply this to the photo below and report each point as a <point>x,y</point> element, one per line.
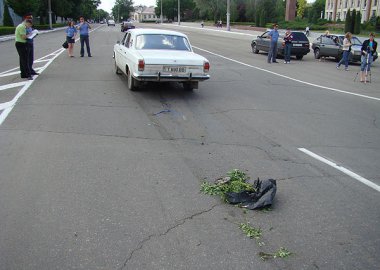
<point>159,55</point>
<point>110,22</point>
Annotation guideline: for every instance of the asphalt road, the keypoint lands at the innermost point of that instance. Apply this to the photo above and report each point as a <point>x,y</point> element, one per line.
<point>94,176</point>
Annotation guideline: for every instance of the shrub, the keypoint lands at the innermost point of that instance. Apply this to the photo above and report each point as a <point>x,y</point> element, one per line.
<point>7,30</point>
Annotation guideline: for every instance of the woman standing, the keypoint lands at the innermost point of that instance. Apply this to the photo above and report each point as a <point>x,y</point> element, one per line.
<point>346,51</point>
<point>71,33</point>
<point>288,38</point>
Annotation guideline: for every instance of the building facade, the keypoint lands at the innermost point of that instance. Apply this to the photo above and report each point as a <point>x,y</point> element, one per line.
<point>145,14</point>
<point>337,9</point>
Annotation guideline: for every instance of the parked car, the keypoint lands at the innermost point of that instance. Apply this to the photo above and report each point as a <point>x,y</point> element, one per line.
<point>111,22</point>
<point>300,48</point>
<point>125,26</point>
<point>157,55</point>
<point>332,46</point>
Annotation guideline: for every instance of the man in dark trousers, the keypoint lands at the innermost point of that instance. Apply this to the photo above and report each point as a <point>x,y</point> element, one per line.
<point>83,28</point>
<point>20,38</point>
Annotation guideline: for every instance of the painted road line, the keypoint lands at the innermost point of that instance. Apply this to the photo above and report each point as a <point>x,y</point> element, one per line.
<point>342,169</point>
<point>12,85</point>
<point>9,70</point>
<point>9,74</point>
<point>289,78</point>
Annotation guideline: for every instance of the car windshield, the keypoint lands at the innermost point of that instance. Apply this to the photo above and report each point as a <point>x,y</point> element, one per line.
<point>162,42</point>
<point>354,40</point>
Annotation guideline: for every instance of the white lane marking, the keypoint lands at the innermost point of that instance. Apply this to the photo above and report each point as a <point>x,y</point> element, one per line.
<point>341,168</point>
<point>9,70</point>
<point>9,74</point>
<point>12,85</point>
<point>7,107</point>
<point>287,77</point>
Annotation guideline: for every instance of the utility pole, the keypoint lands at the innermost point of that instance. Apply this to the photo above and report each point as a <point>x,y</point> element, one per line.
<point>228,15</point>
<point>179,13</point>
<point>161,12</point>
<point>50,19</point>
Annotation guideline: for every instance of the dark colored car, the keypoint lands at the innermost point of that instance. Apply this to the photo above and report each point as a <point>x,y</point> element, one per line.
<point>300,48</point>
<point>332,46</point>
<point>125,26</point>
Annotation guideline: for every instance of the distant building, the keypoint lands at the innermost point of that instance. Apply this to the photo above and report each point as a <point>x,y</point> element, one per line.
<point>337,9</point>
<point>145,14</point>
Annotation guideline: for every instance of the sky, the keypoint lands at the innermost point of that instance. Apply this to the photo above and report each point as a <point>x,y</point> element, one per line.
<point>108,4</point>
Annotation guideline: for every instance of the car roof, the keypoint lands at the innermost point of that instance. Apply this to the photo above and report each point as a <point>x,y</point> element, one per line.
<point>140,31</point>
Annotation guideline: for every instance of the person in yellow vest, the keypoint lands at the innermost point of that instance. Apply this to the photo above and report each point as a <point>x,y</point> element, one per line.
<point>21,46</point>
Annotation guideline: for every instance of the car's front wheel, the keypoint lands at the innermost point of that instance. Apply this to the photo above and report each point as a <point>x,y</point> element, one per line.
<point>254,48</point>
<point>131,81</point>
<point>317,54</point>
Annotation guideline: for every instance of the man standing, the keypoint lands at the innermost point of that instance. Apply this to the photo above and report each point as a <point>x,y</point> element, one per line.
<point>83,28</point>
<point>20,38</point>
<point>273,36</point>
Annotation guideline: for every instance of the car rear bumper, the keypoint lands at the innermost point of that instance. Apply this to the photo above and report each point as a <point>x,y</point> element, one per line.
<point>167,77</point>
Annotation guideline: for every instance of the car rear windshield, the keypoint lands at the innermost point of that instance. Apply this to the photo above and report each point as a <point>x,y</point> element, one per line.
<point>299,36</point>
<point>162,42</point>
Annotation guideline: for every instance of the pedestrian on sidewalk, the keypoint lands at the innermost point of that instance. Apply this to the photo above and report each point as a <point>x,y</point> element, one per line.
<point>346,51</point>
<point>20,38</point>
<point>83,28</point>
<point>71,33</point>
<point>288,38</point>
<point>273,36</point>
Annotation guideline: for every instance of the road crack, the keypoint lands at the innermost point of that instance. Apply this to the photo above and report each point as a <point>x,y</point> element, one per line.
<point>147,239</point>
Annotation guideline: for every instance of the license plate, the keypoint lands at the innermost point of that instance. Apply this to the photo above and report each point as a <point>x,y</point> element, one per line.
<point>174,69</point>
<point>297,45</point>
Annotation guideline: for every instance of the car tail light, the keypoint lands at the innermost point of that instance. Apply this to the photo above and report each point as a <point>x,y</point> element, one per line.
<point>206,66</point>
<point>141,65</point>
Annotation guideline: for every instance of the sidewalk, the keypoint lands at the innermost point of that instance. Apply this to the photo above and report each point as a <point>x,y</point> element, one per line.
<point>11,37</point>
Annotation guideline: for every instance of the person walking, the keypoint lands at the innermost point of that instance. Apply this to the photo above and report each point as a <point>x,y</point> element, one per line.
<point>369,47</point>
<point>346,51</point>
<point>288,38</point>
<point>20,38</point>
<point>273,36</point>
<point>71,33</point>
<point>83,28</point>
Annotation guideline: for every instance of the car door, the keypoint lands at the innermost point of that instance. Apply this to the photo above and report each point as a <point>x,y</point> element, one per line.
<point>119,51</point>
<point>263,42</point>
<point>330,47</point>
<point>125,51</point>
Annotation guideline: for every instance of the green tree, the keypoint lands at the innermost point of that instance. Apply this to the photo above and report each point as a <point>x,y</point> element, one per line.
<point>301,6</point>
<point>353,20</point>
<point>7,20</point>
<point>25,6</point>
<point>122,8</point>
<point>357,23</point>
<point>347,23</point>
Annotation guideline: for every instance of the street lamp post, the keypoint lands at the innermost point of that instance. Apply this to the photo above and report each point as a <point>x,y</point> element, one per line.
<point>179,13</point>
<point>161,12</point>
<point>49,11</point>
<point>228,15</point>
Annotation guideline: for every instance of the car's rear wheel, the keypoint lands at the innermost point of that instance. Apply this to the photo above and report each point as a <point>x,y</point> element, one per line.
<point>131,82</point>
<point>299,57</point>
<point>254,48</point>
<point>317,54</point>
